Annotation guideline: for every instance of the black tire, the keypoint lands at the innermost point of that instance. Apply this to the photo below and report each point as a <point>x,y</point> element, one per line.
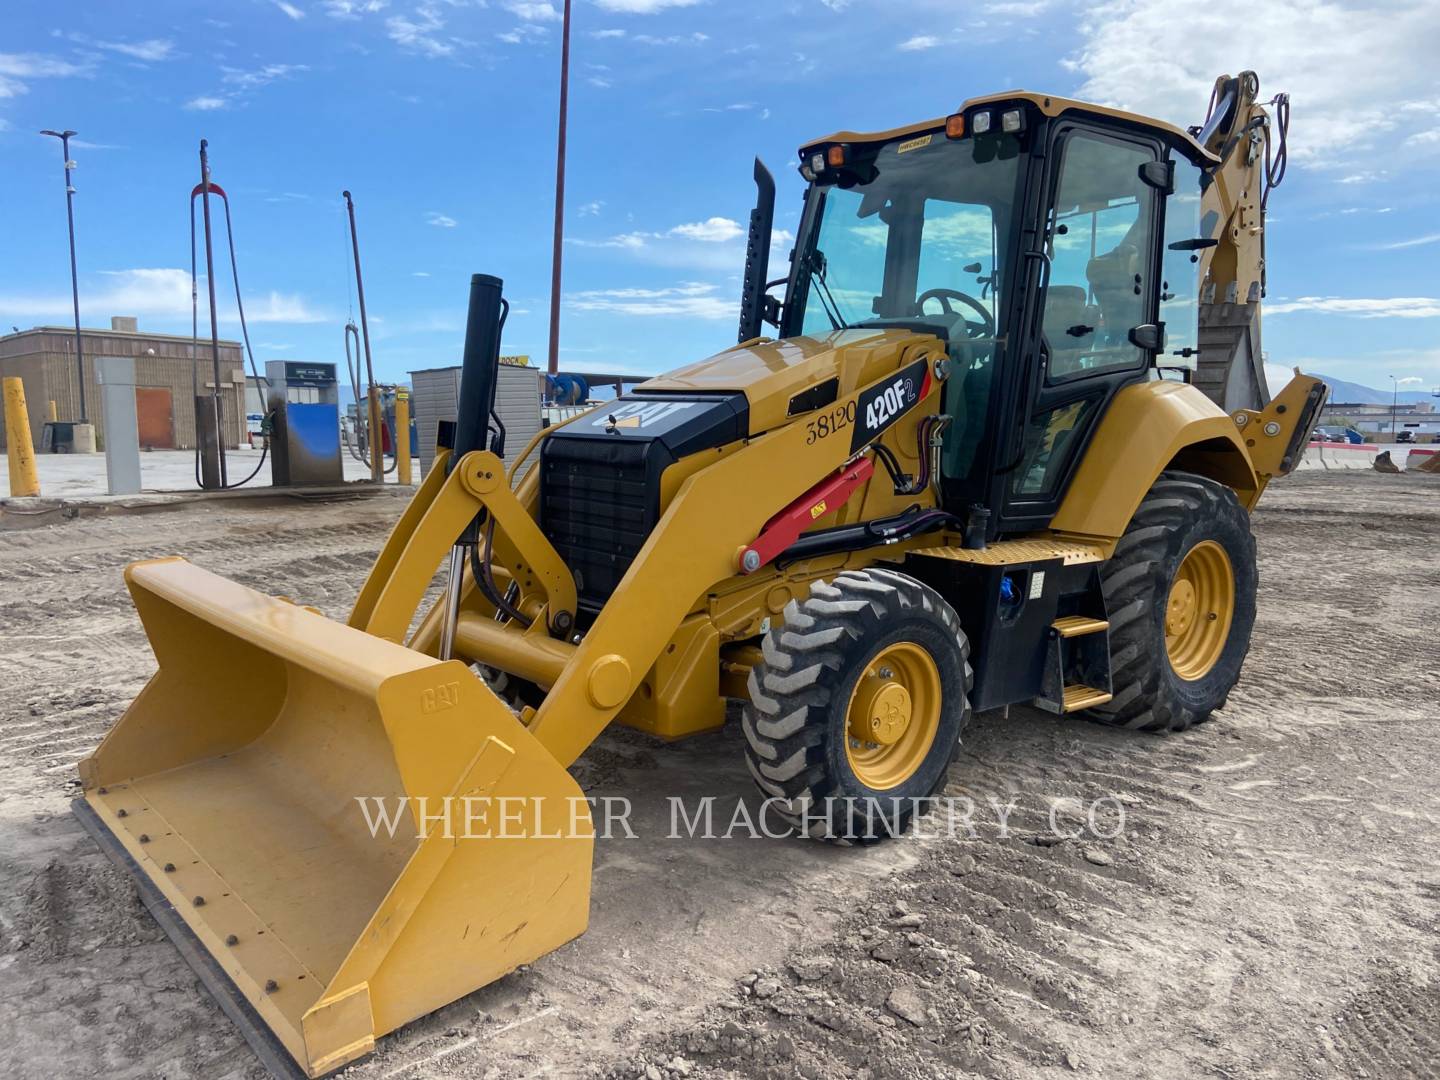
<point>795,720</point>
<point>1180,511</point>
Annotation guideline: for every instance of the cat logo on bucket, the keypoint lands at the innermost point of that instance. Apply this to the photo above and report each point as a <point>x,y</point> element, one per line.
<point>437,698</point>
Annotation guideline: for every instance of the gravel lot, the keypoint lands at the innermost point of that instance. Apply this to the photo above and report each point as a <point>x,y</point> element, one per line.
<point>1258,897</point>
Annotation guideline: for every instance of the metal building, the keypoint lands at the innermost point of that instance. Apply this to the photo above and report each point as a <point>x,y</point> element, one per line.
<point>44,359</point>
<point>435,394</point>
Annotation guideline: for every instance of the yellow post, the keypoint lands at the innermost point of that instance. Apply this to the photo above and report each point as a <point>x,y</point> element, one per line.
<point>377,444</point>
<point>402,436</point>
<point>24,480</point>
<point>51,413</point>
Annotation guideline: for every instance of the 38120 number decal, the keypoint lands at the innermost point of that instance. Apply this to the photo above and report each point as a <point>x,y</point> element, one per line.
<point>828,423</point>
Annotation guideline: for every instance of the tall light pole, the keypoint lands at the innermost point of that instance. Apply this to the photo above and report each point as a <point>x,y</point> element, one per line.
<point>554,365</point>
<point>64,137</point>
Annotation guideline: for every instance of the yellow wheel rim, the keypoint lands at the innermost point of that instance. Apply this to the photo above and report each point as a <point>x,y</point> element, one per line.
<point>893,715</point>
<point>1198,610</point>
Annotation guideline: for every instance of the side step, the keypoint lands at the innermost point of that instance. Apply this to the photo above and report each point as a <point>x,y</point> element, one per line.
<point>1068,626</point>
<point>1079,697</point>
<point>1077,665</point>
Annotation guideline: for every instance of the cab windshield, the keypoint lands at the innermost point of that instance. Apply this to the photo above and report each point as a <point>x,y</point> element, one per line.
<point>918,234</point>
<point>915,232</point>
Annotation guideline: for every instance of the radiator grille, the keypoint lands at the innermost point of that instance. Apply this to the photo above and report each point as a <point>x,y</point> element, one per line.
<point>597,507</point>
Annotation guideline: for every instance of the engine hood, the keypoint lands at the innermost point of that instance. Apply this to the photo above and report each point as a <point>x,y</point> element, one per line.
<point>784,379</point>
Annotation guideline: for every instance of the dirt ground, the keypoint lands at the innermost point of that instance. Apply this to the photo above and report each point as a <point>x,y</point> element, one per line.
<point>1259,897</point>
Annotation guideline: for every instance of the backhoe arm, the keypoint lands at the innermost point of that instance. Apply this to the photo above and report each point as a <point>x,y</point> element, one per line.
<point>1252,157</point>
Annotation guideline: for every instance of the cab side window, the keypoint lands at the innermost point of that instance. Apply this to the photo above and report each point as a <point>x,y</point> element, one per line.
<point>1180,281</point>
<point>1101,238</point>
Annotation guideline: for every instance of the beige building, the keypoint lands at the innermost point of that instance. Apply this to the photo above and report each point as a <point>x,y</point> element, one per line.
<point>44,358</point>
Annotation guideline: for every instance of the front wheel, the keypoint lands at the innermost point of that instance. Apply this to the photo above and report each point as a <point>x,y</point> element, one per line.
<point>1180,592</point>
<point>857,708</point>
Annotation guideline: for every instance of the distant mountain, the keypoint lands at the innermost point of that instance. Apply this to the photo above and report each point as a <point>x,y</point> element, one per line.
<point>1349,393</point>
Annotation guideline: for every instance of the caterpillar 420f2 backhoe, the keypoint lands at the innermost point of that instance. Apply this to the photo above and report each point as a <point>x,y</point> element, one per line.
<point>972,468</point>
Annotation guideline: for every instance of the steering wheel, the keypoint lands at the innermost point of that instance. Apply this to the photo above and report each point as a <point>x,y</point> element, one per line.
<point>986,326</point>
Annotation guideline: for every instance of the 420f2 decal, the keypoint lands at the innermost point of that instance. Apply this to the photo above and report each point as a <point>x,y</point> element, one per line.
<point>888,400</point>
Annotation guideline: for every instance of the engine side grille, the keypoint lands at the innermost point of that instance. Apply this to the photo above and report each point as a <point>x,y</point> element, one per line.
<point>597,506</point>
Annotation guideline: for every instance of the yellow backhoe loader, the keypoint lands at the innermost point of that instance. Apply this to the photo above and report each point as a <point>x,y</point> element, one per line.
<point>978,464</point>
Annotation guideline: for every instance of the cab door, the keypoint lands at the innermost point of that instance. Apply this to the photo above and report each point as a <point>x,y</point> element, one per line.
<point>1092,325</point>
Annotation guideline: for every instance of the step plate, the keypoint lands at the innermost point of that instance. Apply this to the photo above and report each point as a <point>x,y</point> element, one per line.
<point>1068,626</point>
<point>1079,697</point>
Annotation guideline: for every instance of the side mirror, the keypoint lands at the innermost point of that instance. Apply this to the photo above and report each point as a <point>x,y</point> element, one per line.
<point>1149,336</point>
<point>1195,244</point>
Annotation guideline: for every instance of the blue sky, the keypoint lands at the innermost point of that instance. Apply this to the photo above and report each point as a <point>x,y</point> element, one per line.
<point>439,116</point>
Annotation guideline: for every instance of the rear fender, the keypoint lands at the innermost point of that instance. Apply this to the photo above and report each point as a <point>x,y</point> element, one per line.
<point>1149,427</point>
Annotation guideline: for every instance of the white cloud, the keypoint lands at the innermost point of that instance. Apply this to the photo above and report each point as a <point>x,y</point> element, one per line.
<point>353,9</point>
<point>524,32</point>
<point>290,9</point>
<point>278,308</point>
<point>1395,307</point>
<point>1415,241</point>
<point>1138,55</point>
<point>607,33</point>
<point>252,80</point>
<point>711,230</point>
<point>152,50</point>
<point>444,221</point>
<point>420,33</point>
<point>643,7</point>
<point>533,10</point>
<point>38,66</point>
<point>1017,9</point>
<point>693,300</point>
<point>420,273</point>
<point>15,68</point>
<point>1410,380</point>
<point>590,209</point>
<point>715,245</point>
<point>632,241</point>
<point>242,83</point>
<point>153,292</point>
<point>696,38</point>
<point>918,42</point>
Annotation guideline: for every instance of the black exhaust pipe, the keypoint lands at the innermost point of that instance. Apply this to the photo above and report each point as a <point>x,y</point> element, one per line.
<point>479,371</point>
<point>757,254</point>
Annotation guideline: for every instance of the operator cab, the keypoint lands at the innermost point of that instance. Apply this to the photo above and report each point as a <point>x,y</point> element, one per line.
<point>1037,237</point>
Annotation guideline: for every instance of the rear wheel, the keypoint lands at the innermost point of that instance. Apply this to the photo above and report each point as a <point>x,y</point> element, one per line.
<point>1180,592</point>
<point>858,706</point>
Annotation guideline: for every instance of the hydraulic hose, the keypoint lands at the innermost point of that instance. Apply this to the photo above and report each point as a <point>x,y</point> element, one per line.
<point>867,534</point>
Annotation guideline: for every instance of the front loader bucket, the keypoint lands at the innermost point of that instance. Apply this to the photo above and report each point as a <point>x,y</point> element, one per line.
<point>232,788</point>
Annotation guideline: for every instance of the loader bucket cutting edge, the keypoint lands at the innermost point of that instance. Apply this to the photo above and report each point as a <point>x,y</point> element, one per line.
<point>229,789</point>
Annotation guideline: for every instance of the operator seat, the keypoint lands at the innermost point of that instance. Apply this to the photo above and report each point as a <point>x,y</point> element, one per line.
<point>1069,325</point>
<point>1113,279</point>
